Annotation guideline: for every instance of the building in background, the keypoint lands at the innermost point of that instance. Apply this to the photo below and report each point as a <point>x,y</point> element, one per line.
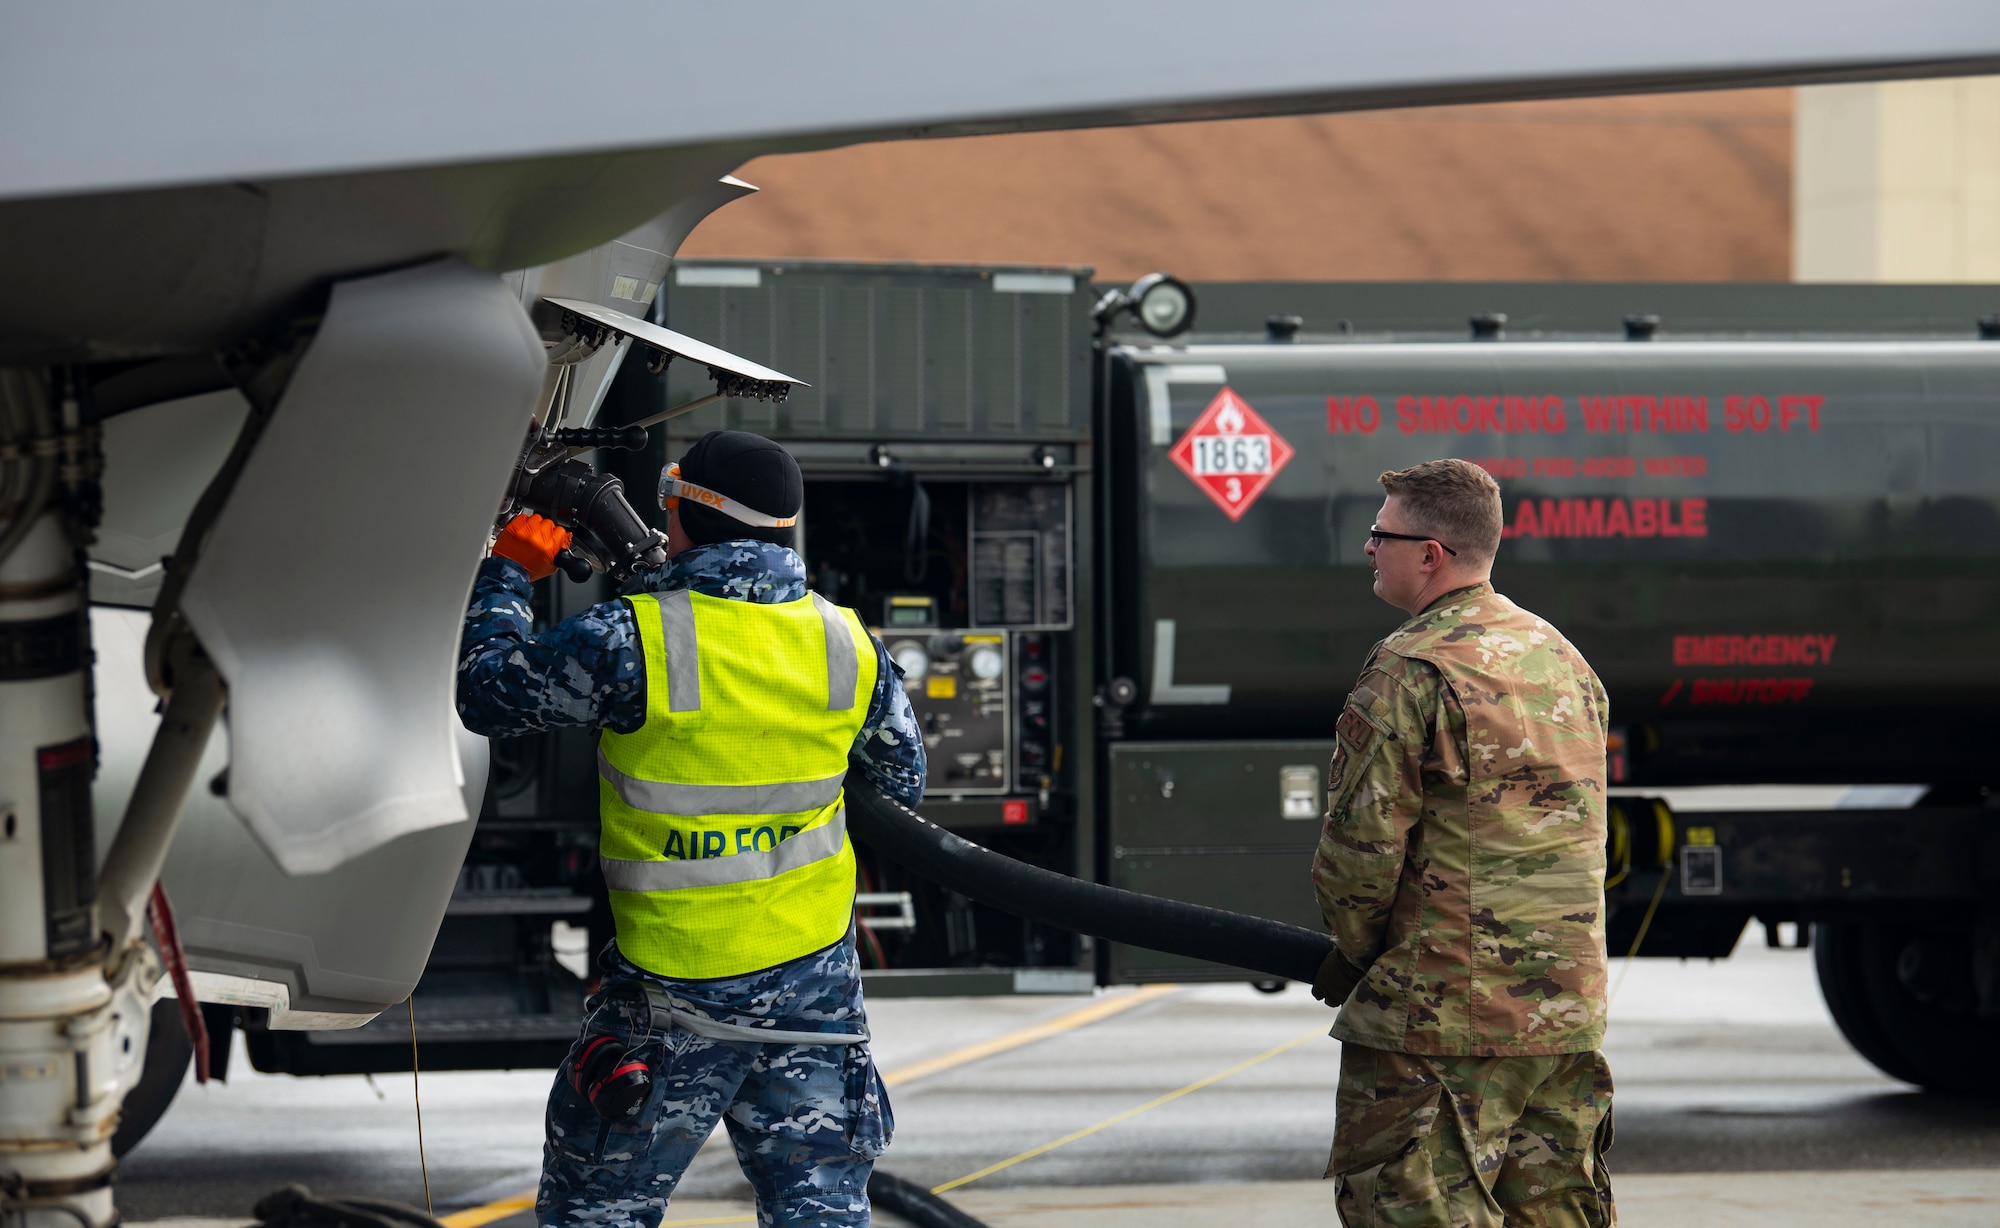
<point>1885,182</point>
<point>1898,181</point>
<point>1692,187</point>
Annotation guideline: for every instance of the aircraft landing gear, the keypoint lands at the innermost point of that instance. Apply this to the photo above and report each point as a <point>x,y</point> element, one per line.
<point>169,1053</point>
<point>73,1010</point>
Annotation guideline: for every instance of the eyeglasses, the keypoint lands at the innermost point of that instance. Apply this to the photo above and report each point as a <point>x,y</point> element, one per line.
<point>1378,534</point>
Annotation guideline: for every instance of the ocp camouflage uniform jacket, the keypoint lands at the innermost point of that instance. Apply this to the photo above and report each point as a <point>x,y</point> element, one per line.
<point>1462,858</point>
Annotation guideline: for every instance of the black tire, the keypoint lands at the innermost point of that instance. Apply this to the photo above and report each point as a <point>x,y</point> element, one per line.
<point>1837,960</point>
<point>168,1054</point>
<point>1903,996</point>
<point>1936,1027</point>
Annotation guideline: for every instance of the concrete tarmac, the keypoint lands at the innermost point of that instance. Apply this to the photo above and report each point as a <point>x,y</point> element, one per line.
<point>1737,1103</point>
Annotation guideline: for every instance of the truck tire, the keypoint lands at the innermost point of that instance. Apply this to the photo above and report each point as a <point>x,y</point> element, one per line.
<point>168,1054</point>
<point>1909,1004</point>
<point>1837,960</point>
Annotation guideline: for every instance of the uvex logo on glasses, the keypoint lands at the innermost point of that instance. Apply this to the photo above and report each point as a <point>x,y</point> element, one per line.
<point>700,494</point>
<point>673,489</point>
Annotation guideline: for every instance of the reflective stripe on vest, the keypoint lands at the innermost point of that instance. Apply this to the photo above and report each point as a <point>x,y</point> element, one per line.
<point>662,798</point>
<point>683,654</point>
<point>842,668</point>
<point>724,839</point>
<point>801,850</point>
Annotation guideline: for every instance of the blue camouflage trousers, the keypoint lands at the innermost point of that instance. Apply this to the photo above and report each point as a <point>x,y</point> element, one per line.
<point>806,1121</point>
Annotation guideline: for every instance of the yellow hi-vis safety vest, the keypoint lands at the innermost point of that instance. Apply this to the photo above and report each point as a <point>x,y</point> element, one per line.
<point>724,833</point>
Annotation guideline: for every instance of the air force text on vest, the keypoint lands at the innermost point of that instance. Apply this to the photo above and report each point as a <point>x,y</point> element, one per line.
<point>700,845</point>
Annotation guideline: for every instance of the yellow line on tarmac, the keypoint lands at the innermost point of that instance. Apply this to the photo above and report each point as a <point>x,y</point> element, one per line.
<point>1128,1114</point>
<point>473,1217</point>
<point>1118,1004</point>
<point>1105,1008</point>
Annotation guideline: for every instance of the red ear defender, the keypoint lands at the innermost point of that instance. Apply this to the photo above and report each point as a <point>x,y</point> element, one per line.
<point>606,1076</point>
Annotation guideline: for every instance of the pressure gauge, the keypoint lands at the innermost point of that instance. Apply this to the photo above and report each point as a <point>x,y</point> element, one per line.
<point>911,656</point>
<point>986,663</point>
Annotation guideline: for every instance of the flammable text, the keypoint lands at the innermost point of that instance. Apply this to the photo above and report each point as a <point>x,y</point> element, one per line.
<point>1608,518</point>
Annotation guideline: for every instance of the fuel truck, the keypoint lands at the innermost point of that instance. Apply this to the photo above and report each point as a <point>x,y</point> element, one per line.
<point>1114,538</point>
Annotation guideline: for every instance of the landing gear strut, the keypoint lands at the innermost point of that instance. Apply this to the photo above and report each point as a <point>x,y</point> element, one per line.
<point>73,1007</point>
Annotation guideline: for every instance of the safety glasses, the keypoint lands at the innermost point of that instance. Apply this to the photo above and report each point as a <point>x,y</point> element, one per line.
<point>1378,534</point>
<point>673,489</point>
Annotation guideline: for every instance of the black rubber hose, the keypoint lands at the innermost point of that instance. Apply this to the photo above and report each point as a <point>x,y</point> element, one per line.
<point>915,1203</point>
<point>1255,944</point>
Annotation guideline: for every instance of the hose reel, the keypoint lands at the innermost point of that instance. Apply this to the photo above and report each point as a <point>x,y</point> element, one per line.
<point>1639,835</point>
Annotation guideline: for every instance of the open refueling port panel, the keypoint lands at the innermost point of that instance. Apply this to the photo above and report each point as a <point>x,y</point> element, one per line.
<point>969,582</point>
<point>969,586</point>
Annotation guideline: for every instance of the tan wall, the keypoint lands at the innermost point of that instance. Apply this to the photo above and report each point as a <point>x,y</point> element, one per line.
<point>1669,187</point>
<point>1898,181</point>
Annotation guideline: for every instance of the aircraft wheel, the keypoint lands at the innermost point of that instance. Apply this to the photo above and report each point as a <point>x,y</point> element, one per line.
<point>1904,997</point>
<point>168,1054</point>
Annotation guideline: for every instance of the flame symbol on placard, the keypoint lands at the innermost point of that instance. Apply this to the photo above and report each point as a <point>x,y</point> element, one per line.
<point>1229,420</point>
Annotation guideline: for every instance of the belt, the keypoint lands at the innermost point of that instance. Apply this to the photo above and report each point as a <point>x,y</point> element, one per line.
<point>669,1010</point>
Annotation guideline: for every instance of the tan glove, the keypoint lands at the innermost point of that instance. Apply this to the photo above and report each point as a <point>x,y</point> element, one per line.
<point>1337,978</point>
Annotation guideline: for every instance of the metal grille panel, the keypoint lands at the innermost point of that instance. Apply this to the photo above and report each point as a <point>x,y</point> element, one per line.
<point>890,352</point>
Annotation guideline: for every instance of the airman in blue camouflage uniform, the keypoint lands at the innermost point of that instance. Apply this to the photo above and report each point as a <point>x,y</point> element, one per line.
<point>806,1120</point>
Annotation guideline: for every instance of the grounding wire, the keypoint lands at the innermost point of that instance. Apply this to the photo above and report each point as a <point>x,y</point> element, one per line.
<point>416,1094</point>
<point>1632,956</point>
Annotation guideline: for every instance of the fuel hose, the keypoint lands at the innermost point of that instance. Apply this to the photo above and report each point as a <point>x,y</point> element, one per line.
<point>1255,944</point>
<point>915,1203</point>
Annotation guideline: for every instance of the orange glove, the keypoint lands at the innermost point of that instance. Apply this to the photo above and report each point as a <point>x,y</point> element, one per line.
<point>533,542</point>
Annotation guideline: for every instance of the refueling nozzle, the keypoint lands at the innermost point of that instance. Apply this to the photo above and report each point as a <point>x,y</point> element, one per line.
<point>609,535</point>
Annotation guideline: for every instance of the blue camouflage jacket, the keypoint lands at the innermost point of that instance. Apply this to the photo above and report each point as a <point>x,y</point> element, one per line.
<point>589,670</point>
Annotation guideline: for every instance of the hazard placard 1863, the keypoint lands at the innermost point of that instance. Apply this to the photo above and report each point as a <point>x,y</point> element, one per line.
<point>1231,453</point>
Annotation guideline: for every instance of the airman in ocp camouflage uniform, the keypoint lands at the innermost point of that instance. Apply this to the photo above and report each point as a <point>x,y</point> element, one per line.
<point>1461,870</point>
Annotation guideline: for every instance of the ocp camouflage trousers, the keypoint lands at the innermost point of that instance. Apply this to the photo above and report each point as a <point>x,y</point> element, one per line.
<point>806,1121</point>
<point>1472,1142</point>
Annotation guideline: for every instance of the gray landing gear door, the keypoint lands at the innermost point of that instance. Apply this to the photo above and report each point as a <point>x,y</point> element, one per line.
<point>312,874</point>
<point>319,951</point>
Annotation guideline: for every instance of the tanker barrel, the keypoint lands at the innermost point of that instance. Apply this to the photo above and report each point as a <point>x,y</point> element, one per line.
<point>1255,944</point>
